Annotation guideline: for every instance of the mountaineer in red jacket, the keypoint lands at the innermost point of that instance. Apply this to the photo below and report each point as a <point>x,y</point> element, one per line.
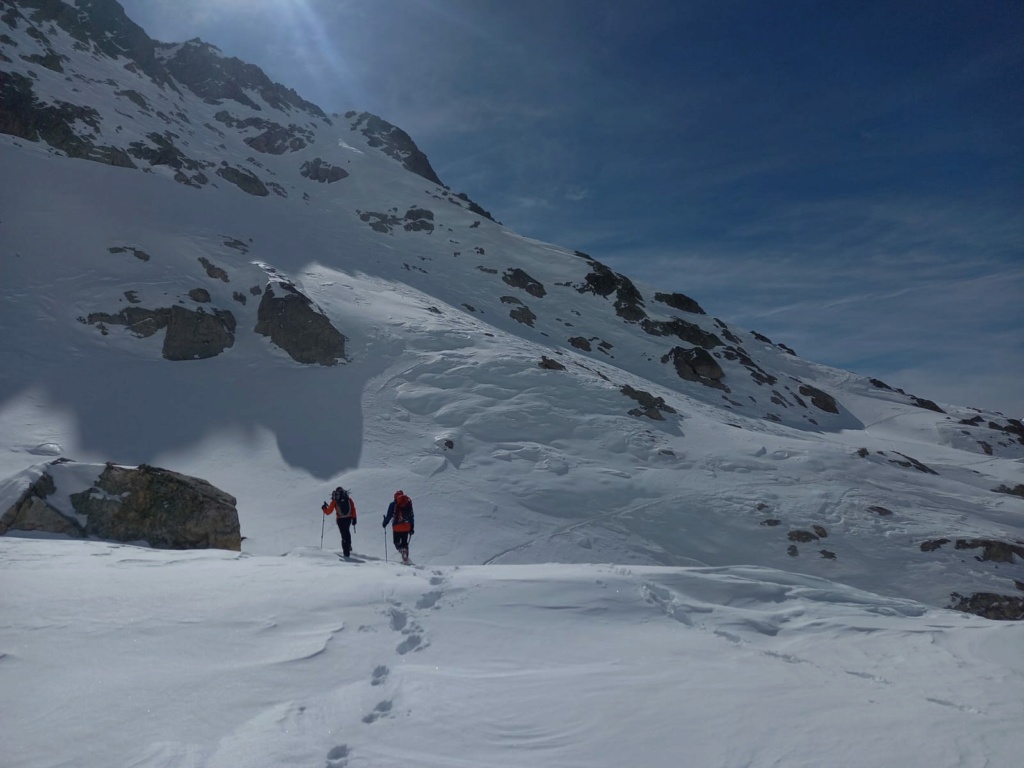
<point>403,525</point>
<point>342,504</point>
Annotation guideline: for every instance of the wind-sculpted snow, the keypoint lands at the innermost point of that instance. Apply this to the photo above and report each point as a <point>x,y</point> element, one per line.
<point>217,659</point>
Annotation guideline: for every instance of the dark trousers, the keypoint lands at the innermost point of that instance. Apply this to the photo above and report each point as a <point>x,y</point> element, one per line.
<point>401,540</point>
<point>345,526</point>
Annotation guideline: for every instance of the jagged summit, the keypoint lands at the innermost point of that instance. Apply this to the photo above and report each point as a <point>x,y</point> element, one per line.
<point>202,69</point>
<point>242,275</point>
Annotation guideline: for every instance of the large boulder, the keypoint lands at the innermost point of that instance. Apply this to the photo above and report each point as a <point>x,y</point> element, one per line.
<point>294,324</point>
<point>165,509</point>
<point>698,365</point>
<point>196,335</point>
<point>319,170</point>
<point>820,400</point>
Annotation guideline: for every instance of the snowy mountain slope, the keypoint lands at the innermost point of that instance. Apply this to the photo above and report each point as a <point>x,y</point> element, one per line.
<point>650,537</point>
<point>214,183</point>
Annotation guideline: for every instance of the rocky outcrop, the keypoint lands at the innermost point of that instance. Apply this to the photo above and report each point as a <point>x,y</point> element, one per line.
<point>319,170</point>
<point>697,365</point>
<point>106,29</point>
<point>202,69</point>
<point>757,373</point>
<point>523,315</point>
<point>517,278</point>
<point>141,322</point>
<point>684,331</point>
<point>993,550</point>
<point>990,606</point>
<point>419,220</point>
<point>820,400</point>
<point>415,220</point>
<point>393,142</point>
<point>31,512</point>
<point>247,181</point>
<point>602,281</point>
<point>23,115</point>
<point>197,335</point>
<point>165,509</point>
<point>293,323</point>
<point>650,406</point>
<point>1017,490</point>
<point>681,302</point>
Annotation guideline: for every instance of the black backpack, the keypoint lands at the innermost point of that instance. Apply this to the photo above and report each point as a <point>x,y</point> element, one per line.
<point>340,497</point>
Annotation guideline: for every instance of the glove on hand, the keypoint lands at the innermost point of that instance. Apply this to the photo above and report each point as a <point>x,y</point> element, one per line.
<point>324,506</point>
<point>412,531</point>
<point>353,522</point>
<point>384,523</point>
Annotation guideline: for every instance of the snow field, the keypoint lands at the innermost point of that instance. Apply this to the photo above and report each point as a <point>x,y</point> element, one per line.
<point>219,659</point>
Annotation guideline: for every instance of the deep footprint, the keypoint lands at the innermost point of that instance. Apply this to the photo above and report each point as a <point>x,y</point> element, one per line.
<point>411,643</point>
<point>338,757</point>
<point>380,674</point>
<point>398,619</point>
<point>383,708</point>
<point>429,600</point>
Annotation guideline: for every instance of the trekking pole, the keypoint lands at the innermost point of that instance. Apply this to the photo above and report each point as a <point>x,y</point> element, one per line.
<point>385,545</point>
<point>322,519</point>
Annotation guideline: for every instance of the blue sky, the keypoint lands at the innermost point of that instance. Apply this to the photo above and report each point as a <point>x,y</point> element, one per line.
<point>846,177</point>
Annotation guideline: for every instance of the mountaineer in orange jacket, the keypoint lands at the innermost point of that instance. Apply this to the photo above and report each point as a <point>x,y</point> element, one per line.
<point>342,504</point>
<point>404,523</point>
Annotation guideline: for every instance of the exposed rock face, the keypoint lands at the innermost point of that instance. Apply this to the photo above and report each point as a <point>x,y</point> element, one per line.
<point>821,400</point>
<point>996,551</point>
<point>295,325</point>
<point>1017,490</point>
<point>681,302</point>
<point>245,180</point>
<point>198,335</point>
<point>602,281</point>
<point>650,406</point>
<point>684,331</point>
<point>166,509</point>
<point>517,278</point>
<point>395,143</point>
<point>757,373</point>
<point>106,28</point>
<point>990,606</point>
<point>32,513</point>
<point>698,365</point>
<point>275,139</point>
<point>928,405</point>
<point>203,70</point>
<point>419,220</point>
<point>523,315</point>
<point>23,115</point>
<point>415,220</point>
<point>161,150</point>
<point>319,170</point>
<point>140,322</point>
